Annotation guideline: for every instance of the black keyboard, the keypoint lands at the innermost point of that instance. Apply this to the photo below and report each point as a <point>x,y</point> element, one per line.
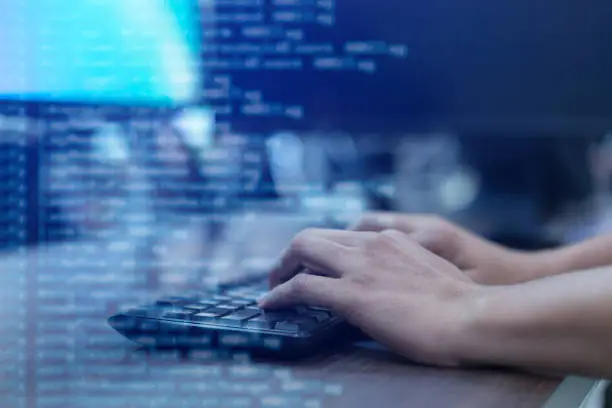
<point>228,319</point>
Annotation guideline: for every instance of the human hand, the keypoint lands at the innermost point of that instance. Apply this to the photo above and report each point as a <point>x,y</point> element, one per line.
<point>386,284</point>
<point>483,261</point>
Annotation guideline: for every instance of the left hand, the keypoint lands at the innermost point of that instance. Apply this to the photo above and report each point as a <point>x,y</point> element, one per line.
<point>483,261</point>
<point>386,284</point>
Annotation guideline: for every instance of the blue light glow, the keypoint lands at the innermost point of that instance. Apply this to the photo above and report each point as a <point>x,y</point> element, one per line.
<point>128,51</point>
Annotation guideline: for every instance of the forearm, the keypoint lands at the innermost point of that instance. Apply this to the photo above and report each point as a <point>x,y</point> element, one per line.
<point>589,254</point>
<point>561,323</point>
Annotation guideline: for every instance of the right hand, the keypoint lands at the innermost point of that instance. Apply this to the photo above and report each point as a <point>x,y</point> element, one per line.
<point>483,261</point>
<point>375,280</point>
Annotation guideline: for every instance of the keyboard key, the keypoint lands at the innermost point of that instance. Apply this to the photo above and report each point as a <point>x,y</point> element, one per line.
<point>259,322</point>
<point>269,319</point>
<point>303,323</point>
<point>243,302</point>
<point>197,308</point>
<point>214,312</point>
<point>237,318</point>
<point>319,315</point>
<point>280,315</point>
<point>229,306</point>
<point>239,304</point>
<point>306,323</point>
<point>288,327</point>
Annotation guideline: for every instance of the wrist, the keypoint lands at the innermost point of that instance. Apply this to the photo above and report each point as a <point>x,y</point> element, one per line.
<point>513,267</point>
<point>528,266</point>
<point>510,325</point>
<point>474,334</point>
<point>468,313</point>
<point>552,262</point>
<point>540,325</point>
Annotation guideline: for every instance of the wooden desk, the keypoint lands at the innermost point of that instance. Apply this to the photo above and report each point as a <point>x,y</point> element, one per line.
<point>379,379</point>
<point>56,350</point>
<point>103,370</point>
<point>371,379</point>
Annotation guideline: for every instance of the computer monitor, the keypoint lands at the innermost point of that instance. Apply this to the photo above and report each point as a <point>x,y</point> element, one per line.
<point>470,66</point>
<point>101,79</point>
<point>473,66</point>
<point>129,52</point>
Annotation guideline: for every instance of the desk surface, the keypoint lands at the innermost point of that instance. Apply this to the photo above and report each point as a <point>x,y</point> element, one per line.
<point>56,350</point>
<point>117,374</point>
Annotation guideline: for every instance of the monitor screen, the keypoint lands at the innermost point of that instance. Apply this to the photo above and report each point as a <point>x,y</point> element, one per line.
<point>136,52</point>
<point>440,65</point>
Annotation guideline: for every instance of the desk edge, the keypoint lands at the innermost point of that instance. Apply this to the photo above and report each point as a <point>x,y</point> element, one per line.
<point>571,393</point>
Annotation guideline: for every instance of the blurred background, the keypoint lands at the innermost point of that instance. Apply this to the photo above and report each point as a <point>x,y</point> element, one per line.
<point>148,146</point>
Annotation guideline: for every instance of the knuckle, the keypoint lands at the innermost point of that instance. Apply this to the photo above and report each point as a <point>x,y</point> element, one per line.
<point>301,241</point>
<point>387,237</point>
<point>443,233</point>
<point>439,237</point>
<point>393,234</point>
<point>444,237</point>
<point>376,221</point>
<point>376,243</point>
<point>364,280</point>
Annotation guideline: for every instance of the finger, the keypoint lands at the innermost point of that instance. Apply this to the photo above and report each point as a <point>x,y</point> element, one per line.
<point>376,221</point>
<point>431,254</point>
<point>344,237</point>
<point>399,236</point>
<point>405,223</point>
<point>309,250</point>
<point>437,243</point>
<point>308,289</point>
<point>407,240</point>
<point>430,241</point>
<point>379,222</point>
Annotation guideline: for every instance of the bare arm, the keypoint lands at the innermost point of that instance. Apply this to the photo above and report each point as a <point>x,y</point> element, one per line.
<point>561,323</point>
<point>593,253</point>
<point>484,261</point>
